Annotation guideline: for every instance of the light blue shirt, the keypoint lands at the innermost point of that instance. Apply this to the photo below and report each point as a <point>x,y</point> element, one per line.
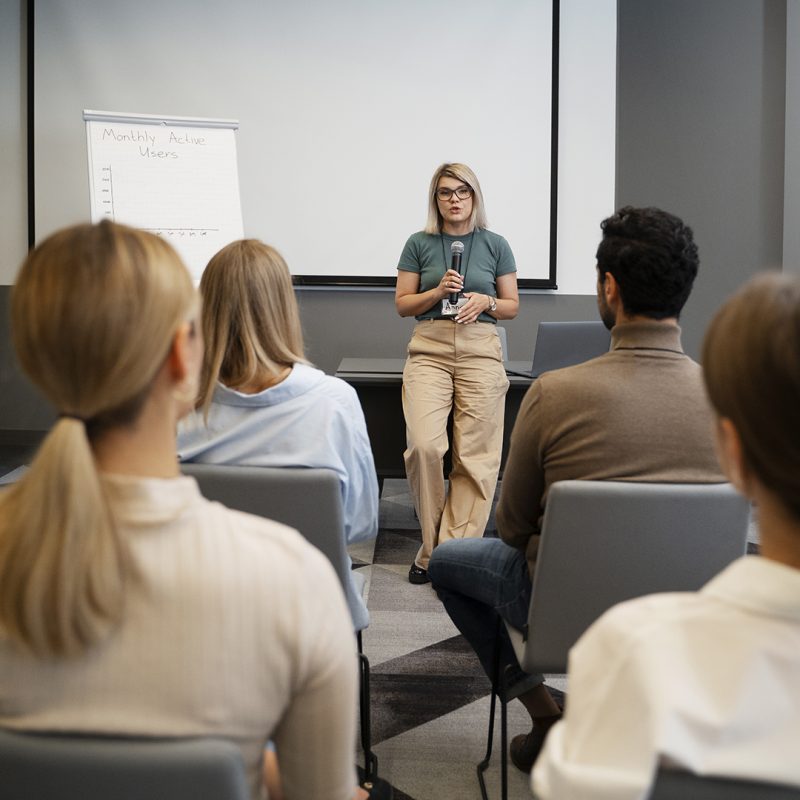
<point>310,419</point>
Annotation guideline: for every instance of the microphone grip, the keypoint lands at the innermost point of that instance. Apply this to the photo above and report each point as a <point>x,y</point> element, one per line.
<point>456,265</point>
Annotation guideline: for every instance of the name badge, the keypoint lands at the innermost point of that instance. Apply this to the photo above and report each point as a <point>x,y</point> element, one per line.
<point>451,309</point>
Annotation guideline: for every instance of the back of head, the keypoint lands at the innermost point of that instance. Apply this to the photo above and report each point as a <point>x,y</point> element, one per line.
<point>251,324</point>
<point>94,311</point>
<point>751,363</point>
<point>652,256</point>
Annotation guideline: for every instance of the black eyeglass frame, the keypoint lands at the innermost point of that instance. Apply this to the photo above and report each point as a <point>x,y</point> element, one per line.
<point>462,192</point>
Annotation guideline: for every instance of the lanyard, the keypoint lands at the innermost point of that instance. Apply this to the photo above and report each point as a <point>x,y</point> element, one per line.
<point>469,254</point>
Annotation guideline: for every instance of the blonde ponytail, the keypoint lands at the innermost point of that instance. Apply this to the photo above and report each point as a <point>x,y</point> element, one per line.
<point>93,314</point>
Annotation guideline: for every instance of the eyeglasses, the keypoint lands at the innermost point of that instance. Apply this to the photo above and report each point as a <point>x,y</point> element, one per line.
<point>462,193</point>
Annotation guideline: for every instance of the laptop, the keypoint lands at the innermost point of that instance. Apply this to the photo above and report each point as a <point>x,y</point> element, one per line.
<point>563,344</point>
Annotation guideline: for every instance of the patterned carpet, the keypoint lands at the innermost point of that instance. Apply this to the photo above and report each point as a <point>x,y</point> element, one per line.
<point>430,697</point>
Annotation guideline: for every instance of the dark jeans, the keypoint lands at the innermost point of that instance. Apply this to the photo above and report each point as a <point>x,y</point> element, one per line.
<point>478,581</point>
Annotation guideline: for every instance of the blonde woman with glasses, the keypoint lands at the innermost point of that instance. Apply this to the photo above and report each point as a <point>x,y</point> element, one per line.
<point>454,359</point>
<point>262,404</point>
<point>129,604</point>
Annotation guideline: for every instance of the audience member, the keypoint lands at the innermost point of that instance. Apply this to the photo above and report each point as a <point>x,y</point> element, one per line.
<point>707,682</point>
<point>637,413</point>
<point>261,404</point>
<point>128,603</point>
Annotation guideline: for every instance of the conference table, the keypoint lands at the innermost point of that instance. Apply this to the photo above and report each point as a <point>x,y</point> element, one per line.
<point>378,382</point>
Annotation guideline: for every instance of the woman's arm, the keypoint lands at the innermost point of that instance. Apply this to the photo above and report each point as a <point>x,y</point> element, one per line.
<point>410,302</point>
<point>507,301</point>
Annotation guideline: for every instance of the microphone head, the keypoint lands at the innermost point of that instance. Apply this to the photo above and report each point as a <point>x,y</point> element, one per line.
<point>457,247</point>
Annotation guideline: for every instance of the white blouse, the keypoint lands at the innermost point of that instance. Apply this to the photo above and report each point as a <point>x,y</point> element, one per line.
<point>708,682</point>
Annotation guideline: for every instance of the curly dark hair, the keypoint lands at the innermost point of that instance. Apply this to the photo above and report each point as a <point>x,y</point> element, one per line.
<point>653,258</point>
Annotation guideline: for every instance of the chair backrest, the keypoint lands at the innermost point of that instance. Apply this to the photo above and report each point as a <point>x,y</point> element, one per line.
<point>608,541</point>
<point>309,500</point>
<point>678,785</point>
<point>562,344</point>
<point>63,767</point>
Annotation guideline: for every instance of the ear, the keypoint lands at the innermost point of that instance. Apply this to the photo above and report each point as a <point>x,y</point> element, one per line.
<point>610,289</point>
<point>731,455</point>
<point>181,356</point>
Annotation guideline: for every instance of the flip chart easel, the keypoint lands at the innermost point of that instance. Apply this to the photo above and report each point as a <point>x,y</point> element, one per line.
<point>176,177</point>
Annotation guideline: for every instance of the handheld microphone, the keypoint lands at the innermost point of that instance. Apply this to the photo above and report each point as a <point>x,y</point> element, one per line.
<point>456,249</point>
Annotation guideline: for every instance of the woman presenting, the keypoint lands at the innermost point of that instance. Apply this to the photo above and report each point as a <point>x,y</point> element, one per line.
<point>454,359</point>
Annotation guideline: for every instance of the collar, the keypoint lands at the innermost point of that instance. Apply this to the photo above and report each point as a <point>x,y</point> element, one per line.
<point>154,501</point>
<point>302,378</point>
<point>646,335</point>
<point>758,585</point>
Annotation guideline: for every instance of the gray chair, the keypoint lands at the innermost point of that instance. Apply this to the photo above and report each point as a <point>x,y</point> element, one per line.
<point>562,344</point>
<point>73,767</point>
<point>310,501</point>
<point>677,785</point>
<point>604,542</point>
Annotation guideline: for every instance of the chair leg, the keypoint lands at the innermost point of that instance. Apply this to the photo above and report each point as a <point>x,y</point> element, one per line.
<point>504,735</point>
<point>370,759</point>
<point>483,765</point>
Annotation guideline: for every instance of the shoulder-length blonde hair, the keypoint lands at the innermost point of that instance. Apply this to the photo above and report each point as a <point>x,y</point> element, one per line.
<point>251,323</point>
<point>461,172</point>
<point>94,312</point>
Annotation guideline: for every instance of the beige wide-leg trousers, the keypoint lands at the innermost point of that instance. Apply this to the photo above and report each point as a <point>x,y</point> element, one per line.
<point>458,367</point>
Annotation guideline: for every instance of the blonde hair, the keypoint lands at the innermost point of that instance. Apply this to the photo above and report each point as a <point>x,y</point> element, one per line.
<point>460,172</point>
<point>751,364</point>
<point>251,323</point>
<point>94,312</point>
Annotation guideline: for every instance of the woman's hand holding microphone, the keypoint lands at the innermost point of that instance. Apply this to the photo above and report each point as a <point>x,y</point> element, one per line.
<point>451,283</point>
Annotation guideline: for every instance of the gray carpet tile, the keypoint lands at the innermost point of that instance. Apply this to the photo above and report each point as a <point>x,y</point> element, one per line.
<point>397,546</point>
<point>430,697</point>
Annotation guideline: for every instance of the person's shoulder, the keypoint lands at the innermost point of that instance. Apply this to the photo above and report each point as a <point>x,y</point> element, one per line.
<point>334,398</point>
<point>499,248</point>
<point>494,241</point>
<point>628,626</point>
<point>414,249</point>
<point>492,237</point>
<point>567,378</point>
<point>329,387</point>
<point>419,240</point>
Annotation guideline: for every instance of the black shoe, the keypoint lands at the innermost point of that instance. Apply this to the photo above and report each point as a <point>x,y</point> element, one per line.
<point>418,575</point>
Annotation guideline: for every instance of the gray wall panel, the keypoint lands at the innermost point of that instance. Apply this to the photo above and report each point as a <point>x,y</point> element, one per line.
<point>22,407</point>
<point>701,132</point>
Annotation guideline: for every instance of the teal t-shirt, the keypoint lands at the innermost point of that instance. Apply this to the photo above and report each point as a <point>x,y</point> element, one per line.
<point>486,256</point>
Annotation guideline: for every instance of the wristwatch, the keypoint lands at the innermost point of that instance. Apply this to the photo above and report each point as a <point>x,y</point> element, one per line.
<point>492,304</point>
